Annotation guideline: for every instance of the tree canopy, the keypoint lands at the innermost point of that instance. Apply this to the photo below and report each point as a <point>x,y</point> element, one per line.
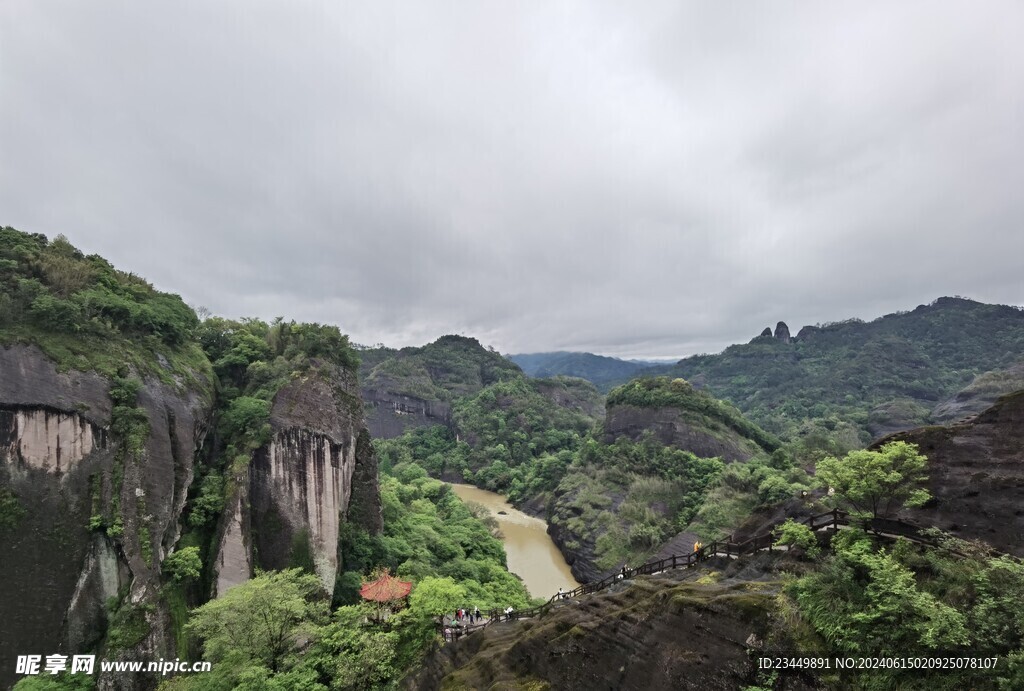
<point>263,619</point>
<point>874,483</point>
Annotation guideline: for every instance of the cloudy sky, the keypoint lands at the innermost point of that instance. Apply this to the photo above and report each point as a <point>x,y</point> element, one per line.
<point>639,181</point>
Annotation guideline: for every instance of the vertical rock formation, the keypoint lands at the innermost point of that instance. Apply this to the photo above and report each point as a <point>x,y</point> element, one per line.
<point>782,332</point>
<point>317,471</point>
<point>62,467</point>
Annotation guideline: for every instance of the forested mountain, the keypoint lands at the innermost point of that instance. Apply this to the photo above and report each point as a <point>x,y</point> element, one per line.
<point>603,371</point>
<point>167,482</point>
<point>861,379</point>
<point>415,387</point>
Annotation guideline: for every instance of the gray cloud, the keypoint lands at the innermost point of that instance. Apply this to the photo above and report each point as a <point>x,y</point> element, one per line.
<point>648,181</point>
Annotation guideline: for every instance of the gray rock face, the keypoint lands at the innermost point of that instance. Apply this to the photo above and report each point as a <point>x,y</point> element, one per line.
<point>390,415</point>
<point>976,475</point>
<point>317,471</point>
<point>767,333</point>
<point>782,332</point>
<point>57,457</point>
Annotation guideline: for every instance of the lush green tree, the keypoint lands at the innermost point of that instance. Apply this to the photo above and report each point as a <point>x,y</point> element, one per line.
<point>865,600</point>
<point>185,564</point>
<point>874,483</point>
<point>356,654</point>
<point>263,619</point>
<point>437,596</point>
<point>59,682</point>
<point>797,535</point>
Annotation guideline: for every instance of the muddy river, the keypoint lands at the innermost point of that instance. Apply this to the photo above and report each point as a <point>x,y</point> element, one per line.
<point>531,553</point>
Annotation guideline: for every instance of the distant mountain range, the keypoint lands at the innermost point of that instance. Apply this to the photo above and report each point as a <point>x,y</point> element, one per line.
<point>602,371</point>
<point>870,378</point>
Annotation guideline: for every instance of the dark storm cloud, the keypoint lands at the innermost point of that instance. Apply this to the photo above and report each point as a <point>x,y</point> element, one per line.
<point>651,181</point>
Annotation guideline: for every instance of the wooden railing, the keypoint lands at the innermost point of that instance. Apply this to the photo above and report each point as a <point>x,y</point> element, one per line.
<point>886,527</point>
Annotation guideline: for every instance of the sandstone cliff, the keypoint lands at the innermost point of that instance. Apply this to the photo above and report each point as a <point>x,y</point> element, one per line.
<point>66,467</point>
<point>678,415</point>
<point>979,395</point>
<point>415,387</point>
<point>976,475</point>
<point>667,632</point>
<point>317,471</point>
<point>615,491</point>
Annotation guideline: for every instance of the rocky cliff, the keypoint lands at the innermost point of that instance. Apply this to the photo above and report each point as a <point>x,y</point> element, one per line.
<point>415,387</point>
<point>681,630</point>
<point>68,470</point>
<point>316,471</point>
<point>678,415</point>
<point>976,475</point>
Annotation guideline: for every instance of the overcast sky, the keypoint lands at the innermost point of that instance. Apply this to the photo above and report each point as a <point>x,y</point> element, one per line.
<point>639,181</point>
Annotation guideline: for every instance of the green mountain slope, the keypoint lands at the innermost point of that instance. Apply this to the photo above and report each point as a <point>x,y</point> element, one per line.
<point>880,375</point>
<point>415,387</point>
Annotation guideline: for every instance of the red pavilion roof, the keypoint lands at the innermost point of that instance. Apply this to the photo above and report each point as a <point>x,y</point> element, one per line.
<point>385,589</point>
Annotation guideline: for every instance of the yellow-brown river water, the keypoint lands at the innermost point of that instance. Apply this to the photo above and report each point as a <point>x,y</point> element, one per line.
<point>531,553</point>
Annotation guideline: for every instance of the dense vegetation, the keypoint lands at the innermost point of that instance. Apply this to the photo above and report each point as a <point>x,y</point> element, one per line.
<point>872,598</point>
<point>509,438</point>
<point>630,497</point>
<point>697,407</point>
<point>429,531</point>
<point>450,367</point>
<point>623,498</point>
<point>877,375</point>
<point>85,314</point>
<point>449,551</point>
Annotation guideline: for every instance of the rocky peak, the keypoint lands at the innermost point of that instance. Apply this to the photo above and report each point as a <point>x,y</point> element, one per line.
<point>767,332</point>
<point>782,332</point>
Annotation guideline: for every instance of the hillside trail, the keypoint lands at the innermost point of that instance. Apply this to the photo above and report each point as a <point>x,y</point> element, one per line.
<point>834,521</point>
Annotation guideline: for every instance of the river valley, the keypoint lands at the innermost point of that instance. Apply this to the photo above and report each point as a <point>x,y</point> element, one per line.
<point>531,553</point>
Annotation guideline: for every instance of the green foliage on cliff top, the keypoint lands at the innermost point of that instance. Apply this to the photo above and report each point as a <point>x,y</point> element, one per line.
<point>705,409</point>
<point>450,367</point>
<point>85,314</point>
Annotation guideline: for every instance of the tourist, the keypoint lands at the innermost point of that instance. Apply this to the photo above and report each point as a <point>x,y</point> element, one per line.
<point>476,611</point>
